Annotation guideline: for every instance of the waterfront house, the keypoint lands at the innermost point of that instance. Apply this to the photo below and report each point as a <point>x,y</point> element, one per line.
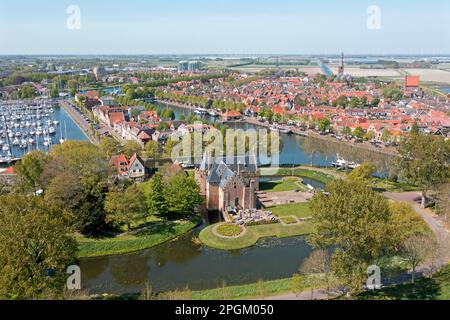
<point>231,115</point>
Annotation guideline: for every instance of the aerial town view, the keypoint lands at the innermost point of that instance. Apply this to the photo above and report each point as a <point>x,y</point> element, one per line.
<point>220,150</point>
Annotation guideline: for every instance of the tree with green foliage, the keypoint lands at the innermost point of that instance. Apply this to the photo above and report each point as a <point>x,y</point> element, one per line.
<point>342,101</point>
<point>370,136</point>
<point>346,131</point>
<point>72,85</point>
<point>169,146</point>
<point>35,248</point>
<point>30,169</point>
<point>358,133</point>
<point>405,222</point>
<point>415,129</point>
<point>375,102</point>
<point>151,150</point>
<point>109,147</point>
<point>424,161</point>
<point>76,176</point>
<point>353,219</point>
<point>168,114</point>
<point>183,195</point>
<point>324,125</point>
<point>131,147</point>
<point>54,92</point>
<point>156,198</point>
<point>125,206</point>
<point>363,173</point>
<point>386,136</point>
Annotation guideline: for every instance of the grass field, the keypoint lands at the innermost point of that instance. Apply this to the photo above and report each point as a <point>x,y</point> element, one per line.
<point>259,289</point>
<point>300,210</point>
<point>392,186</point>
<point>285,184</point>
<point>130,243</point>
<point>229,230</point>
<point>305,173</point>
<point>436,287</point>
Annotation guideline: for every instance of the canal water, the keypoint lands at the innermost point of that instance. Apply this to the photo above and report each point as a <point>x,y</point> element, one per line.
<point>298,150</point>
<point>183,263</point>
<point>445,90</point>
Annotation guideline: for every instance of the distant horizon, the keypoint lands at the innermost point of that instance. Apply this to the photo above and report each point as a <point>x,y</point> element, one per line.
<point>226,54</point>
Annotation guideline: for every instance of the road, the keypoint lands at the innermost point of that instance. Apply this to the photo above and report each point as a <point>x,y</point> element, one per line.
<point>79,120</point>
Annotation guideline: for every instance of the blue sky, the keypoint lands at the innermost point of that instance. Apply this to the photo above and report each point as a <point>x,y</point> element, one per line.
<point>224,26</point>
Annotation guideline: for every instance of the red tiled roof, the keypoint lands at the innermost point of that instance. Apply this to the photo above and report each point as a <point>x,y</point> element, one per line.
<point>9,170</point>
<point>116,117</point>
<point>232,113</point>
<point>412,81</point>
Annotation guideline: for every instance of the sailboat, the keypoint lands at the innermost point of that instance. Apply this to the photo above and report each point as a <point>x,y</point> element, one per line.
<point>63,139</point>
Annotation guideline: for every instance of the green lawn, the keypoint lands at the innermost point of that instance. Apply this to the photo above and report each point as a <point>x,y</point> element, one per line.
<point>285,184</point>
<point>305,173</point>
<point>392,186</point>
<point>253,234</point>
<point>437,287</point>
<point>229,230</point>
<point>289,220</point>
<point>300,210</point>
<point>151,237</point>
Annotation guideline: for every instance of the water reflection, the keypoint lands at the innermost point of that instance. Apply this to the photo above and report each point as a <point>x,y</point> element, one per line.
<point>182,263</point>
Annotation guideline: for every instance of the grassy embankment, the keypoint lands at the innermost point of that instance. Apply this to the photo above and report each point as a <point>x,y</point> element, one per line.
<point>154,235</point>
<point>313,173</point>
<point>153,231</point>
<point>260,289</point>
<point>284,184</point>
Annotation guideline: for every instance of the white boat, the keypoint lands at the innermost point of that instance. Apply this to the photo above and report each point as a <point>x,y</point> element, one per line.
<point>5,147</point>
<point>213,113</point>
<point>51,130</point>
<point>275,129</point>
<point>16,142</point>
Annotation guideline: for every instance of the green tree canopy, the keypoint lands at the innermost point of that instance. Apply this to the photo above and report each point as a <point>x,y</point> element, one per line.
<point>30,169</point>
<point>354,220</point>
<point>35,248</point>
<point>126,207</point>
<point>424,161</point>
<point>364,172</point>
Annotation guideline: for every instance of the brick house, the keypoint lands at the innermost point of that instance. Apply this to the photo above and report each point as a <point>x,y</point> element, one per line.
<point>229,183</point>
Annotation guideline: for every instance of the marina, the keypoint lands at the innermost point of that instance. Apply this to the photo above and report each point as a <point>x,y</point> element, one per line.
<point>29,126</point>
